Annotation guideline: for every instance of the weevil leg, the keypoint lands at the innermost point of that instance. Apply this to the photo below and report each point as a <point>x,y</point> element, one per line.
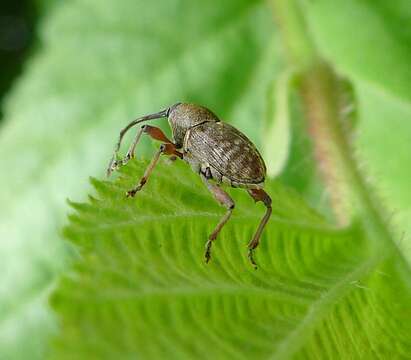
<point>167,149</point>
<point>154,132</point>
<point>132,148</point>
<point>259,195</point>
<point>224,199</point>
<point>114,163</point>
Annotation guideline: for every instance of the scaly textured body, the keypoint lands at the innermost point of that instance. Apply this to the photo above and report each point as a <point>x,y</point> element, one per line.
<point>228,154</point>
<point>217,151</point>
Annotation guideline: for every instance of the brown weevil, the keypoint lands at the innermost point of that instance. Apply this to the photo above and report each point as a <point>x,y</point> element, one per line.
<point>217,151</point>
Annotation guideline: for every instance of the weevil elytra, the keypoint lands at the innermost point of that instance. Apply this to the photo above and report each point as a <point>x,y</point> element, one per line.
<point>217,151</point>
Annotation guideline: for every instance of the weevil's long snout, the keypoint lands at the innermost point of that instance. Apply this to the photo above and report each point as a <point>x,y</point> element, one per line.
<point>157,115</point>
<point>163,113</point>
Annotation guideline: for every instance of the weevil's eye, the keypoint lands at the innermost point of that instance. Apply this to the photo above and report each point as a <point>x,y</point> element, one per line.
<point>171,108</point>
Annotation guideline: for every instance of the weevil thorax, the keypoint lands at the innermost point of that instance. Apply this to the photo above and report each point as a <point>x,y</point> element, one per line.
<point>183,116</point>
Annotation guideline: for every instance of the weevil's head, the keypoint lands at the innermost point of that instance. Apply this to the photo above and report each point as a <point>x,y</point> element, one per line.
<point>183,116</point>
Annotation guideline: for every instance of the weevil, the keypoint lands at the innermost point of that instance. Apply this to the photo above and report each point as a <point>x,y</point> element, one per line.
<point>217,151</point>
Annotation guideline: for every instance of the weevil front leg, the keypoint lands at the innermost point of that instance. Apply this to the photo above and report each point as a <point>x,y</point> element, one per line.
<point>259,195</point>
<point>167,149</point>
<point>154,132</point>
<point>224,199</point>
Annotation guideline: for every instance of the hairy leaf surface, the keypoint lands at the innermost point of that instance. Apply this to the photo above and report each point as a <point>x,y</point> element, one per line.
<point>140,287</point>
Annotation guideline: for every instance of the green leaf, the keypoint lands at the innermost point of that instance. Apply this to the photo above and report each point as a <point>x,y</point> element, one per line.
<point>277,134</point>
<point>140,289</point>
<point>369,40</point>
<point>100,64</point>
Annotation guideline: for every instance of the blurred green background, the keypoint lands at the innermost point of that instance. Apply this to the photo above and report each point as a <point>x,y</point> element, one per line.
<point>73,72</point>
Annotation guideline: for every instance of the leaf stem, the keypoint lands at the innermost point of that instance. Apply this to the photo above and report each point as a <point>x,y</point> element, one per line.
<point>319,90</point>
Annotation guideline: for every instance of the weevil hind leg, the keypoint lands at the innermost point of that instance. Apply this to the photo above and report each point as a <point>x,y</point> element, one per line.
<point>259,195</point>
<point>224,199</point>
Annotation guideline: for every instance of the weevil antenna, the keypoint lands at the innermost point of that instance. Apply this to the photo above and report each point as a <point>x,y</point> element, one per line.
<point>160,114</point>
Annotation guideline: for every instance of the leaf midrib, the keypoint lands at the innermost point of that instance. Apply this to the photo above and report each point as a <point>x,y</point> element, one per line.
<point>165,218</point>
<point>293,342</point>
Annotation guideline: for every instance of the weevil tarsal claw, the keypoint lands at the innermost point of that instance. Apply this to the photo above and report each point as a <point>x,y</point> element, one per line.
<point>112,166</point>
<point>251,258</point>
<point>132,193</point>
<point>116,163</point>
<point>207,253</point>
